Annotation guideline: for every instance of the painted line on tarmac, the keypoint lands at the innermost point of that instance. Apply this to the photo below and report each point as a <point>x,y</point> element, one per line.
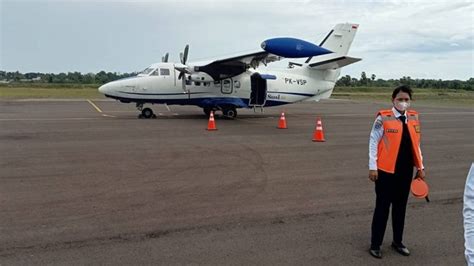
<point>98,109</point>
<point>95,106</point>
<point>121,111</point>
<point>49,119</point>
<point>371,115</point>
<point>447,113</point>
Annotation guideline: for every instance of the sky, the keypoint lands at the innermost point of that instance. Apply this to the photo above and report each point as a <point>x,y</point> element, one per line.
<point>421,39</point>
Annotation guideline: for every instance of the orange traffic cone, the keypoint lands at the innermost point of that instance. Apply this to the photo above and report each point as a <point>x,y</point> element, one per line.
<point>211,125</point>
<point>282,122</point>
<point>318,132</point>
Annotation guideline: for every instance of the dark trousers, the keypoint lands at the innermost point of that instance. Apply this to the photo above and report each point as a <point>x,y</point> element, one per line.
<point>390,189</point>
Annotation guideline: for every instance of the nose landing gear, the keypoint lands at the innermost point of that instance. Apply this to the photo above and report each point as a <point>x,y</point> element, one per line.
<point>146,112</point>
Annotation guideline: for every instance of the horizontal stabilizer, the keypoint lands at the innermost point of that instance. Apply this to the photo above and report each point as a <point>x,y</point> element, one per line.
<point>334,63</point>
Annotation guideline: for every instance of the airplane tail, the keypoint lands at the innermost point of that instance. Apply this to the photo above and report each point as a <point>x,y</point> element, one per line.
<point>328,66</point>
<point>338,40</point>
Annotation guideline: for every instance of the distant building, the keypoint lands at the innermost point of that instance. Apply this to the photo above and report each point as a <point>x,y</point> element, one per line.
<point>31,80</point>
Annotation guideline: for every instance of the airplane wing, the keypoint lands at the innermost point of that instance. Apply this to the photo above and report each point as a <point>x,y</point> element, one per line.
<point>334,63</point>
<point>233,66</point>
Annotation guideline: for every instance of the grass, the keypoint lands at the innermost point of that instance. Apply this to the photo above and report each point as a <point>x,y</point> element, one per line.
<point>53,91</point>
<point>444,97</point>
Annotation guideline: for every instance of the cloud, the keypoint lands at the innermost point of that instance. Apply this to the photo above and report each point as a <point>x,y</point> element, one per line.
<point>126,35</point>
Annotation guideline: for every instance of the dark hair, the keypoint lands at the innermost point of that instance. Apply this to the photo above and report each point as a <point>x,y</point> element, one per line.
<point>402,88</point>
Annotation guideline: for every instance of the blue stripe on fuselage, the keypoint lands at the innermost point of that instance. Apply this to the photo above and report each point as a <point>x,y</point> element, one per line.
<point>201,102</point>
<point>159,94</point>
<point>167,94</point>
<point>293,93</point>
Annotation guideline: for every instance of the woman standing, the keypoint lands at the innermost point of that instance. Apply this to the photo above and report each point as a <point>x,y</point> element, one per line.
<point>394,151</point>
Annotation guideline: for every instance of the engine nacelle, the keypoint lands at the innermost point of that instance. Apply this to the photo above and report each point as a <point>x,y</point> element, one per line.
<point>201,76</point>
<point>292,48</point>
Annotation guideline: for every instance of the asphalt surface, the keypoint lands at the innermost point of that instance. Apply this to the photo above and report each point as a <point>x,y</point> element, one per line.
<point>85,185</point>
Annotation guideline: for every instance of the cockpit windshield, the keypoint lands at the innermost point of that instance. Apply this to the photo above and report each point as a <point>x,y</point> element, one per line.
<point>147,71</point>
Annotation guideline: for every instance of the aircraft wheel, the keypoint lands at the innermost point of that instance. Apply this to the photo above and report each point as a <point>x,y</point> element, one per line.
<point>230,112</point>
<point>147,113</point>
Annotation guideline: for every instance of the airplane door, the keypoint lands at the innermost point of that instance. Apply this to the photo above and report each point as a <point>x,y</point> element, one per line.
<point>258,94</point>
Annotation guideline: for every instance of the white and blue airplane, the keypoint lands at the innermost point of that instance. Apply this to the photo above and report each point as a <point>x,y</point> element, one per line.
<point>236,82</point>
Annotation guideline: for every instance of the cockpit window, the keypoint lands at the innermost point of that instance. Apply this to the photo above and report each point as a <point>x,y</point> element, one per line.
<point>155,73</point>
<point>164,71</point>
<point>147,71</point>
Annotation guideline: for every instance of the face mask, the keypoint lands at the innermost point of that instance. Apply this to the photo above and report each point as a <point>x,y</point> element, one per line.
<point>402,106</point>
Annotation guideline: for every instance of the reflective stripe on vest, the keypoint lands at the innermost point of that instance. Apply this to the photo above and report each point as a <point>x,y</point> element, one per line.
<point>390,144</point>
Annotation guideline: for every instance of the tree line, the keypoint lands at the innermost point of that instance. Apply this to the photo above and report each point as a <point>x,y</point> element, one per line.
<point>372,81</point>
<point>345,81</point>
<point>70,77</point>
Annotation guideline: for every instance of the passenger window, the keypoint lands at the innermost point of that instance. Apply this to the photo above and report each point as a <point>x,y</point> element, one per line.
<point>155,73</point>
<point>237,84</point>
<point>188,82</point>
<point>226,86</point>
<point>197,83</point>
<point>164,71</point>
<point>206,84</point>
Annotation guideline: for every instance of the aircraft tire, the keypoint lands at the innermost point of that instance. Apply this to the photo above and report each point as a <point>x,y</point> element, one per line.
<point>229,112</point>
<point>147,113</point>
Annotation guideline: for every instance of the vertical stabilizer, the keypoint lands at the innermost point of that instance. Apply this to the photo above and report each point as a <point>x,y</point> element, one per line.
<point>339,39</point>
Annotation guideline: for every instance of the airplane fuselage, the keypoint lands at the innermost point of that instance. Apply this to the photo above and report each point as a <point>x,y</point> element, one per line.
<point>282,87</point>
<point>229,83</point>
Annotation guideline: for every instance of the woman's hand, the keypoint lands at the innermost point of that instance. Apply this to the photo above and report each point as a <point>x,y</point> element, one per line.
<point>420,174</point>
<point>373,175</point>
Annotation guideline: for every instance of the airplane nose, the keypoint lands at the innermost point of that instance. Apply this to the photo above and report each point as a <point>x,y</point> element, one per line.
<point>103,89</point>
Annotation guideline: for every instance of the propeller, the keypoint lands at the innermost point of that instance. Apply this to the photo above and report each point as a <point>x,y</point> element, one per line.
<point>184,57</point>
<point>164,59</point>
<point>183,68</point>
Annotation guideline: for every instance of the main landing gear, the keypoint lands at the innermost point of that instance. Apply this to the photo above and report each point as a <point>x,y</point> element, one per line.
<point>146,112</point>
<point>229,112</point>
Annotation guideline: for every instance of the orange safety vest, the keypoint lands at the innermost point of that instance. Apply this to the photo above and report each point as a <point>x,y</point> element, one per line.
<point>390,143</point>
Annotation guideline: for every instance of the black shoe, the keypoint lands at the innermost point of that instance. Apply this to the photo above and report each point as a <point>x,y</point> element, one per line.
<point>400,248</point>
<point>376,253</point>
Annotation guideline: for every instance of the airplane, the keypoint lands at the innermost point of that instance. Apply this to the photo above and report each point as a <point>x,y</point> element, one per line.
<point>230,83</point>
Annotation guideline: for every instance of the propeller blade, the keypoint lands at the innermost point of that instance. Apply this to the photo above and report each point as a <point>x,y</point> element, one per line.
<point>164,59</point>
<point>183,82</point>
<point>185,55</point>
